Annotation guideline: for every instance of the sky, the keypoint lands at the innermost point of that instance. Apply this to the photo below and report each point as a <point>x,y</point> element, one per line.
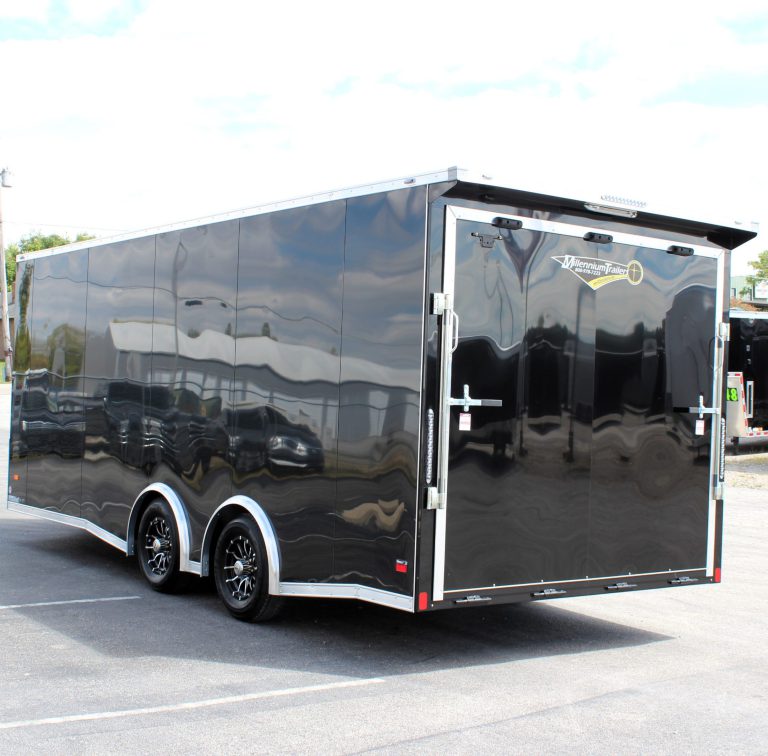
<point>118,115</point>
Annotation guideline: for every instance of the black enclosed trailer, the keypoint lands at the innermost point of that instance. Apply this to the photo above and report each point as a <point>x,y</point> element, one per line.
<point>747,393</point>
<point>427,393</point>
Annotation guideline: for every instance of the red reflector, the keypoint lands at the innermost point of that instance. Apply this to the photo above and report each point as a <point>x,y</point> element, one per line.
<point>401,566</point>
<point>16,476</point>
<point>717,574</point>
<point>422,601</point>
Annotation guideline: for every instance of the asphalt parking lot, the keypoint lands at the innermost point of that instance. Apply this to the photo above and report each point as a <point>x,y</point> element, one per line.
<point>93,661</point>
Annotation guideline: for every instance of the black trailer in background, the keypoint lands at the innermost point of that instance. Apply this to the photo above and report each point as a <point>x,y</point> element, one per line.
<point>426,393</point>
<point>747,394</point>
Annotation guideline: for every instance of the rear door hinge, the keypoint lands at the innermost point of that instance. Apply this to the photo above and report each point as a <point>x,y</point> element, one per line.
<point>549,593</point>
<point>435,499</point>
<point>620,586</point>
<point>473,599</point>
<point>441,302</point>
<point>724,331</point>
<point>683,580</point>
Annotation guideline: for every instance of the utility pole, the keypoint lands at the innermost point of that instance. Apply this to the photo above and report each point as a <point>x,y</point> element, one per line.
<point>5,184</point>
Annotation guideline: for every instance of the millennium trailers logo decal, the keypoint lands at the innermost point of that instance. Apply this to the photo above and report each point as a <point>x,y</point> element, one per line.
<point>596,273</point>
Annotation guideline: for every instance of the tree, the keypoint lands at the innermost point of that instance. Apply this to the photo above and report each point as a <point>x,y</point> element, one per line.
<point>35,243</point>
<point>760,266</point>
<point>745,292</point>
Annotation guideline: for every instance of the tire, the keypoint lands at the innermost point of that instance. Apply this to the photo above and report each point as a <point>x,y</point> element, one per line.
<point>240,570</point>
<point>158,547</point>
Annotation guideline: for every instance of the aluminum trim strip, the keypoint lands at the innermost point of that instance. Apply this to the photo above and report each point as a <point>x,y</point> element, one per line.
<point>348,591</point>
<point>716,450</point>
<point>575,580</point>
<point>419,488</point>
<point>578,231</point>
<point>71,520</point>
<point>444,409</point>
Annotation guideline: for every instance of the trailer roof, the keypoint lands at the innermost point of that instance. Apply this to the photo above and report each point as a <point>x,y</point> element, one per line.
<point>734,231</point>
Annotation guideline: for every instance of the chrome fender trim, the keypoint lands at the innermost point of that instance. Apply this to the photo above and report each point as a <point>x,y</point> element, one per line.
<point>349,591</point>
<point>182,524</point>
<point>267,533</point>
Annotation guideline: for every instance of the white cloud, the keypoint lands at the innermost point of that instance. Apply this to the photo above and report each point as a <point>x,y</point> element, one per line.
<point>27,10</point>
<point>92,11</point>
<point>192,111</point>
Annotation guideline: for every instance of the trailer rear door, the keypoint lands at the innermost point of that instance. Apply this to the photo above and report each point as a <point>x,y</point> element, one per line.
<point>580,385</point>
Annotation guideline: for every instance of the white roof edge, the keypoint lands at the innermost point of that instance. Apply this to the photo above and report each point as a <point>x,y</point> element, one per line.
<point>453,173</point>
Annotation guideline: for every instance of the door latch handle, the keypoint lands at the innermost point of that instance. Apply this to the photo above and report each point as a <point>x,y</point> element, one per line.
<point>467,401</point>
<point>455,335</point>
<point>701,410</point>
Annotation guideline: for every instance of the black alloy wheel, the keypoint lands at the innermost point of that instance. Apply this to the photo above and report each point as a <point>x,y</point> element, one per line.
<point>158,547</point>
<point>240,572</point>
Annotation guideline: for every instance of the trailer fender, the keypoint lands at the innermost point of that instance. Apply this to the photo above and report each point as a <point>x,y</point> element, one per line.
<point>180,515</point>
<point>243,503</point>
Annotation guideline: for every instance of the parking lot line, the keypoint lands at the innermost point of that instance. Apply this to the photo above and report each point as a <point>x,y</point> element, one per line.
<point>71,601</point>
<point>189,704</point>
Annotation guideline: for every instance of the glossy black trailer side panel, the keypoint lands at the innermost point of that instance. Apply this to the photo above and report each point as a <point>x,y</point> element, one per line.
<point>52,417</point>
<point>17,462</point>
<point>190,398</point>
<point>117,378</point>
<point>214,359</point>
<point>286,378</point>
<point>379,417</point>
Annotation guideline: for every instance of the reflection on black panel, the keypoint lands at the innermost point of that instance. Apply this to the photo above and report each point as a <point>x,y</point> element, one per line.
<point>52,411</point>
<point>592,466</point>
<point>118,364</point>
<point>519,474</point>
<point>17,486</point>
<point>748,354</point>
<point>283,445</point>
<point>188,403</point>
<point>380,384</point>
<point>649,501</point>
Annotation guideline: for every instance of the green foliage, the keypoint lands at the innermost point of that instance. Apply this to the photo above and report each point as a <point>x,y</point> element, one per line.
<point>35,243</point>
<point>23,345</point>
<point>760,266</point>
